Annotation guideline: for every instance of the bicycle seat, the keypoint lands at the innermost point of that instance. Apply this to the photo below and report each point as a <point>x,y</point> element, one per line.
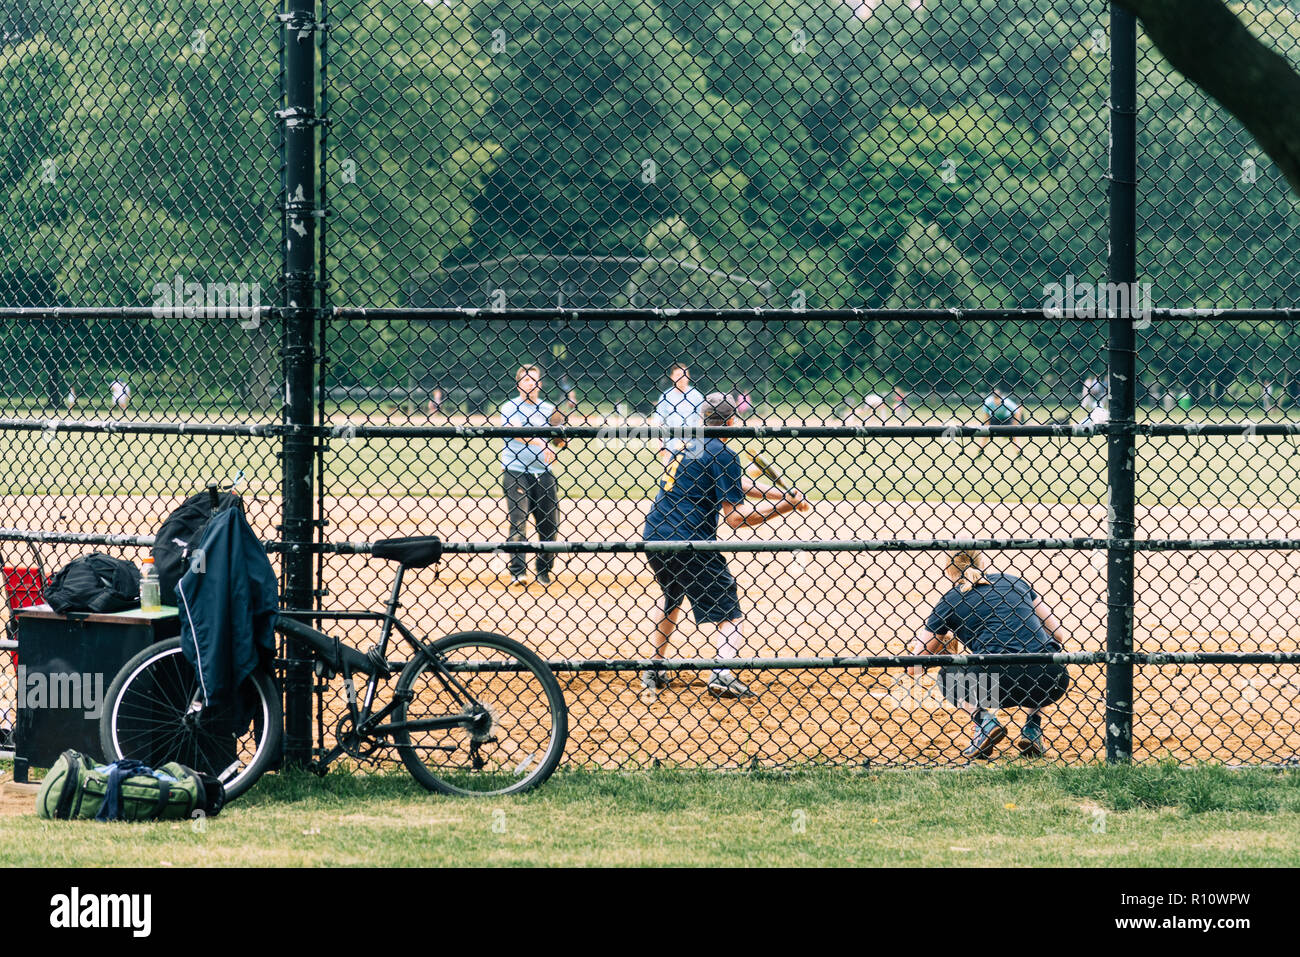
<point>418,552</point>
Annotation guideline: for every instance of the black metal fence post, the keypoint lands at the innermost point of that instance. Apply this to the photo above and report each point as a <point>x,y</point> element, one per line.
<point>1121,448</point>
<point>299,248</point>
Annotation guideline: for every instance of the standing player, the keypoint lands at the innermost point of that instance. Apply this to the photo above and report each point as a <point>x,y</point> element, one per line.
<point>528,483</point>
<point>873,409</point>
<point>901,412</point>
<point>994,614</point>
<point>570,393</point>
<point>120,393</point>
<point>1000,409</point>
<point>436,399</point>
<point>1094,400</point>
<point>677,411</point>
<point>704,478</point>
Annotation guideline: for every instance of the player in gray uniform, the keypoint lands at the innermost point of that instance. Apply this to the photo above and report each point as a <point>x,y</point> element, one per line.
<point>678,411</point>
<point>528,483</point>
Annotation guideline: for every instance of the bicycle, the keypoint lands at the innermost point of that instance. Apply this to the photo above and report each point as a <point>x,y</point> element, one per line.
<point>473,713</point>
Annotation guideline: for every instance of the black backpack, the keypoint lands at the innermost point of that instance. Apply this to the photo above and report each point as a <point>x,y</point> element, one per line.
<point>171,547</point>
<point>96,583</point>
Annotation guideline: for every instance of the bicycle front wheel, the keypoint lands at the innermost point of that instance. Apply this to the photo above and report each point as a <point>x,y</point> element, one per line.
<point>153,713</point>
<point>499,722</point>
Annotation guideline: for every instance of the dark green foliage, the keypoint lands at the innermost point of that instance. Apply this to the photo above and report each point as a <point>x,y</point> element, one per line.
<point>759,152</point>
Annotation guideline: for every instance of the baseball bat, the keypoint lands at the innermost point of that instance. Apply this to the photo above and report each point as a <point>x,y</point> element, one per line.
<point>769,472</point>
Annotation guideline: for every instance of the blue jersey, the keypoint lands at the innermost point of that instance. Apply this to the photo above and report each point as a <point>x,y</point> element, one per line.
<point>993,619</point>
<point>699,478</point>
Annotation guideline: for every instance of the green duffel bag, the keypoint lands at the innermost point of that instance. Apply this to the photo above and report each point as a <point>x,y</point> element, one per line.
<point>79,787</point>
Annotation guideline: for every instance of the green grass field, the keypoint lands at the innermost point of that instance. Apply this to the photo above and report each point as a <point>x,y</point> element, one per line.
<point>1145,816</point>
<point>1255,470</point>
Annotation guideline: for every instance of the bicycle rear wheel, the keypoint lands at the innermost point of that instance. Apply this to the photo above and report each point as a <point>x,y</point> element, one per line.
<point>513,720</point>
<point>152,713</point>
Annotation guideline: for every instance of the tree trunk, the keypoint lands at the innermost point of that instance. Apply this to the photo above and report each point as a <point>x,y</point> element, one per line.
<point>1205,42</point>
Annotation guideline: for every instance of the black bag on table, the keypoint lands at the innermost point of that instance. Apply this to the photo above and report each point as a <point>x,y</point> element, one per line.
<point>95,583</point>
<point>183,527</point>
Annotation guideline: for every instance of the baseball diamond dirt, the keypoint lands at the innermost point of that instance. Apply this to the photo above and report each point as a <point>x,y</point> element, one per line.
<point>822,604</point>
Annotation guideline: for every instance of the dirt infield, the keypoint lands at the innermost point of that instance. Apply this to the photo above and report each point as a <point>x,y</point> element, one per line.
<point>16,798</point>
<point>842,603</point>
<point>821,604</point>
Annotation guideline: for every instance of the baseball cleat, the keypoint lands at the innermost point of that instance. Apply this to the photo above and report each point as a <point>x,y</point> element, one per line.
<point>729,688</point>
<point>543,578</point>
<point>986,737</point>
<point>1031,743</point>
<point>517,580</point>
<point>652,680</point>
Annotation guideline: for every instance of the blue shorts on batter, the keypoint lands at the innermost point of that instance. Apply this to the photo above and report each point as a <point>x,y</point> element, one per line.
<point>704,578</point>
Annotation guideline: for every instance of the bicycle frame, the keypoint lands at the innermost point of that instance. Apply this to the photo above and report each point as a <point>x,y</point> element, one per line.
<point>365,723</point>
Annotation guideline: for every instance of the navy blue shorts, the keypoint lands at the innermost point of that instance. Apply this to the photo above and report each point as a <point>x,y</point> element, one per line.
<point>704,578</point>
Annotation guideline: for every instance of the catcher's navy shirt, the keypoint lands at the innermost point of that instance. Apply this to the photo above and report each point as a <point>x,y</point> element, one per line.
<point>699,478</point>
<point>993,619</point>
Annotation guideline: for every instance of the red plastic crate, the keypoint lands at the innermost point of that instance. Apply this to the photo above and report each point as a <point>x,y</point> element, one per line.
<point>23,588</point>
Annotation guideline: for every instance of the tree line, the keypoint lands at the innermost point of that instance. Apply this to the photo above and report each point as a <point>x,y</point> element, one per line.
<point>894,155</point>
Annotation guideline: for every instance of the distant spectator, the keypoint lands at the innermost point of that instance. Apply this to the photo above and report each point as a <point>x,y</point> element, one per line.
<point>55,390</point>
<point>900,405</point>
<point>1095,400</point>
<point>1266,395</point>
<point>1000,409</point>
<point>436,398</point>
<point>873,407</point>
<point>120,392</point>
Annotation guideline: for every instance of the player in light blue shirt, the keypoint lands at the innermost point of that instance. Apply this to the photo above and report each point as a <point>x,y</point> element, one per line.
<point>678,411</point>
<point>1001,409</point>
<point>529,486</point>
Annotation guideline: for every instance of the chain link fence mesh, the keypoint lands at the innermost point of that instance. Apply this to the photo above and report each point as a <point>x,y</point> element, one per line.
<point>572,172</point>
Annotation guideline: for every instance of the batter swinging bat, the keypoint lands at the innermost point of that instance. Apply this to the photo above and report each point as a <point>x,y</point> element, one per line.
<point>768,472</point>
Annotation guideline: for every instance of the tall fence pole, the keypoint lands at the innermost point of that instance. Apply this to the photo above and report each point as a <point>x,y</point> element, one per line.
<point>300,318</point>
<point>1121,447</point>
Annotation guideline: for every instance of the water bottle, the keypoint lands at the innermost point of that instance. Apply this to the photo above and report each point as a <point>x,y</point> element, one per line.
<point>150,589</point>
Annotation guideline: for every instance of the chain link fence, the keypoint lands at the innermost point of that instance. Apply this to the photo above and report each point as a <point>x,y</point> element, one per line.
<point>881,230</point>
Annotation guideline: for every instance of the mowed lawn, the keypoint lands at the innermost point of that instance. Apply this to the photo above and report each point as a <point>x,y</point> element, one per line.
<point>1247,469</point>
<point>1015,815</point>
